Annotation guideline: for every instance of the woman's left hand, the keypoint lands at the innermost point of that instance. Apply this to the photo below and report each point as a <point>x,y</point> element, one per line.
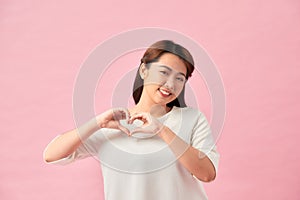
<point>151,125</point>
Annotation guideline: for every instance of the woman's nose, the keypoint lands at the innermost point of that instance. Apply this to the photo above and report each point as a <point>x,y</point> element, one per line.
<point>169,83</point>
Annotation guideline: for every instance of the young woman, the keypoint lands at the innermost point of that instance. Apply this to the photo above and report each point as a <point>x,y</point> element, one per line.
<point>166,157</point>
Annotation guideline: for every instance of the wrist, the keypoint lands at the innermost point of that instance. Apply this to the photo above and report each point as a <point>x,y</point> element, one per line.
<point>167,135</point>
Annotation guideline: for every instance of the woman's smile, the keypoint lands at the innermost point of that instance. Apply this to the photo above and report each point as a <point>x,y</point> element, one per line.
<point>164,92</point>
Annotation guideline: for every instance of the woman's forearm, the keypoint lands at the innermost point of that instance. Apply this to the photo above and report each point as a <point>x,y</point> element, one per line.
<point>66,143</point>
<point>196,162</point>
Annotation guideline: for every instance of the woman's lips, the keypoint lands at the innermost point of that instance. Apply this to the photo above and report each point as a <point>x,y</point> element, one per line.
<point>164,93</point>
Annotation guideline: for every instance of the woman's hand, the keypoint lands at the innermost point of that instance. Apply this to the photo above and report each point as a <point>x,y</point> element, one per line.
<point>112,117</point>
<point>151,125</point>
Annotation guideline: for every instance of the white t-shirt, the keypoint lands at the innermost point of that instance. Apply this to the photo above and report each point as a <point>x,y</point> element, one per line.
<point>146,168</point>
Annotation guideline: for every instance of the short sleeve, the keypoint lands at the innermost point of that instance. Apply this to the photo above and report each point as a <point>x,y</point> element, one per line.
<point>80,153</point>
<point>203,140</point>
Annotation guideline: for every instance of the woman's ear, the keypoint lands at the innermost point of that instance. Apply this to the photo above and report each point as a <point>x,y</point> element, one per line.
<point>143,71</point>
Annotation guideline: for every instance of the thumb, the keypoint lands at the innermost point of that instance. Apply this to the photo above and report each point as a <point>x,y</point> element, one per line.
<point>125,130</point>
<point>142,133</point>
<point>141,130</point>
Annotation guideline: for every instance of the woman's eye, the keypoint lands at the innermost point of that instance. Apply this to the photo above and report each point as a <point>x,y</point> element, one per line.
<point>164,72</point>
<point>180,79</point>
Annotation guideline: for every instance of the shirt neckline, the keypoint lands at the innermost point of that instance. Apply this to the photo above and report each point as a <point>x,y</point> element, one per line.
<point>167,114</point>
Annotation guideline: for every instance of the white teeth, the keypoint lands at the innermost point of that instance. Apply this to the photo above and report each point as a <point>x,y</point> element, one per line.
<point>164,92</point>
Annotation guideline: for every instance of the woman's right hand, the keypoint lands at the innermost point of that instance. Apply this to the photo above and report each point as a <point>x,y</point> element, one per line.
<point>65,144</point>
<point>111,119</point>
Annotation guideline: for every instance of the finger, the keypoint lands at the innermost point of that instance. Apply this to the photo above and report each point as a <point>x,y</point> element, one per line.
<point>127,114</point>
<point>125,130</point>
<point>143,120</point>
<point>140,116</point>
<point>143,131</point>
<point>139,130</point>
<point>121,113</point>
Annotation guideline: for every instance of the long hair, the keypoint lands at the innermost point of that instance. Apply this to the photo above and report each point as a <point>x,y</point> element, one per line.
<point>152,54</point>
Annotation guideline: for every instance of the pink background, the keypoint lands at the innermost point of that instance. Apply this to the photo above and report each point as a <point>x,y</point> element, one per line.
<point>255,45</point>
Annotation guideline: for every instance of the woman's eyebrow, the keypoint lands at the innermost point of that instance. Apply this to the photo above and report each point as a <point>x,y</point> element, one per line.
<point>168,68</point>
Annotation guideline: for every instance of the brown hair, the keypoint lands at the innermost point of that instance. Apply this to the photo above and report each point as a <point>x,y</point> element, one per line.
<point>152,54</point>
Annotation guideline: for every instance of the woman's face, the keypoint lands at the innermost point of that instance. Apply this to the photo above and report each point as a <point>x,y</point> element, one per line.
<point>164,79</point>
